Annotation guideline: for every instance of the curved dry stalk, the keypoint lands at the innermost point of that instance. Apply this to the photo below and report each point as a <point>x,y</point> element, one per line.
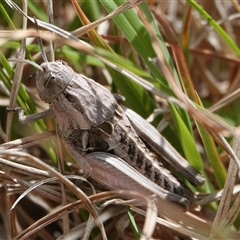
<point>223,221</point>
<point>78,192</point>
<point>40,183</point>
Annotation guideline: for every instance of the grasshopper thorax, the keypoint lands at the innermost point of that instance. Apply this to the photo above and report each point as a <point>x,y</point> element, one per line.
<point>52,79</point>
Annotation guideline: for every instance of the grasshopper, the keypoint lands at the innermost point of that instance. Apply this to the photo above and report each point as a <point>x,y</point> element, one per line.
<point>97,132</point>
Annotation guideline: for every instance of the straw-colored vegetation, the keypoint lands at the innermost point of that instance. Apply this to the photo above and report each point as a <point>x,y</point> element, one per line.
<point>177,65</point>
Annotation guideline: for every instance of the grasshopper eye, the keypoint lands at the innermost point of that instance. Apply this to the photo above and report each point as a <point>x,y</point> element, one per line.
<point>62,62</point>
<point>49,82</point>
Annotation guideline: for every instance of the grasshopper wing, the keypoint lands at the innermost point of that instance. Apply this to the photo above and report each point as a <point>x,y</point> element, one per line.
<point>115,173</point>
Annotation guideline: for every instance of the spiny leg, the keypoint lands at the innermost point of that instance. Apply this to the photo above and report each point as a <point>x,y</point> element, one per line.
<point>163,148</point>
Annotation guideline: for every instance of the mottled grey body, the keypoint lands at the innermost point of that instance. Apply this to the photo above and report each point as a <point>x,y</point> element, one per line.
<point>89,119</point>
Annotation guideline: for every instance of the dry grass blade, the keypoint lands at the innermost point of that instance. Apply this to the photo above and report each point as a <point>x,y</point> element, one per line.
<point>229,218</point>
<point>13,96</point>
<point>221,219</point>
<point>73,206</point>
<point>80,230</point>
<point>63,188</point>
<point>17,78</point>
<point>230,150</point>
<point>198,232</point>
<point>45,191</point>
<point>23,143</point>
<point>216,196</point>
<point>22,168</point>
<point>78,192</point>
<point>225,101</point>
<point>150,220</point>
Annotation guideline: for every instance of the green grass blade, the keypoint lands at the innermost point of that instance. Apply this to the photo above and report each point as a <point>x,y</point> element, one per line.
<point>224,36</point>
<point>187,141</point>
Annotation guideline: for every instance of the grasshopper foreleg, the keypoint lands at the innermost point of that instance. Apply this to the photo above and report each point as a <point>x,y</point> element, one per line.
<point>25,119</point>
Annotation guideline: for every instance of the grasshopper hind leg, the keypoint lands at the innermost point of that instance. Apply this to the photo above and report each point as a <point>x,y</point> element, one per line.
<point>162,148</point>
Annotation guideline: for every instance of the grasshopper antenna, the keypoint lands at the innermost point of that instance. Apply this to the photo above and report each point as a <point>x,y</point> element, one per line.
<point>41,49</point>
<point>51,20</point>
<point>40,43</point>
<point>26,61</point>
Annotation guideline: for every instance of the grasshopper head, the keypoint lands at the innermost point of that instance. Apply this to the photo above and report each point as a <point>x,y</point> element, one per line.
<point>53,79</point>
